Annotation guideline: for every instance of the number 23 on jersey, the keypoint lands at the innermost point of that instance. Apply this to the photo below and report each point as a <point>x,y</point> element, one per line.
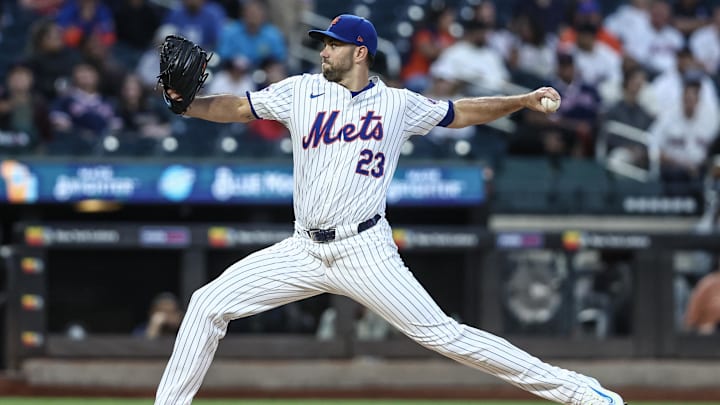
<point>370,163</point>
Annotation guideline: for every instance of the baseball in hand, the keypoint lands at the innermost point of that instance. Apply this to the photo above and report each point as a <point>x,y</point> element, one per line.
<point>549,104</point>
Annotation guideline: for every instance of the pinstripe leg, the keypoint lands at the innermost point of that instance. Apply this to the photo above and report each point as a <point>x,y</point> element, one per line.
<point>375,276</point>
<point>268,278</point>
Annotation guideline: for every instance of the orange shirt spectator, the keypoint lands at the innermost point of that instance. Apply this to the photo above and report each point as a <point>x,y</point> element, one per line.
<point>568,38</point>
<point>427,44</point>
<point>588,12</point>
<point>419,61</point>
<point>80,19</point>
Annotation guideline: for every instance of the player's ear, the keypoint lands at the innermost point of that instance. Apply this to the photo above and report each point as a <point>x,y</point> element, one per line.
<point>361,52</point>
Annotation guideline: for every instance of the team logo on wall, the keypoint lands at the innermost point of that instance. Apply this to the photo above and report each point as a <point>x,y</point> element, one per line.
<point>218,236</point>
<point>21,185</point>
<point>46,236</point>
<point>31,339</point>
<point>32,302</point>
<point>176,182</point>
<point>31,265</point>
<point>571,240</point>
<point>400,237</point>
<point>406,239</point>
<point>35,236</point>
<point>574,240</point>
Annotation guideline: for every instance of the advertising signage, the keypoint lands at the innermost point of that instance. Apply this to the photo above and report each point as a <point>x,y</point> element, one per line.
<point>29,182</point>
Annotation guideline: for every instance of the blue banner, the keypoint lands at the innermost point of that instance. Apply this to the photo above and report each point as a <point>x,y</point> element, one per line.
<point>27,182</point>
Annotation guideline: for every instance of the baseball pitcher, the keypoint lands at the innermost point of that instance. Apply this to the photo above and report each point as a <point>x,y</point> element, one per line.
<point>347,129</point>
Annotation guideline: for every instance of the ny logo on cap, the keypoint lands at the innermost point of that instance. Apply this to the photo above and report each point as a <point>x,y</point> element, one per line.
<point>335,20</point>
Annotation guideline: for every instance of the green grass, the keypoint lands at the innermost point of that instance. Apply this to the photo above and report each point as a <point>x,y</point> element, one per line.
<point>126,401</point>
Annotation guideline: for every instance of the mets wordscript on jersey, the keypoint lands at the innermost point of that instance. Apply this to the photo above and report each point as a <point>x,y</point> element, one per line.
<point>321,129</point>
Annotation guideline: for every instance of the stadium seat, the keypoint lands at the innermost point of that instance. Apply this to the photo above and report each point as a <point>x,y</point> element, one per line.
<point>420,148</point>
<point>123,144</point>
<point>194,137</point>
<point>70,144</point>
<point>524,185</point>
<point>582,186</point>
<point>489,145</point>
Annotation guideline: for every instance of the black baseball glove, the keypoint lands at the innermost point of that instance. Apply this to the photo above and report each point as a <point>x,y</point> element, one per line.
<point>182,69</point>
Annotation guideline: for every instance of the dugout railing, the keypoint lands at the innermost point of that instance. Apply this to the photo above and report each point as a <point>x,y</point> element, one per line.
<point>525,286</point>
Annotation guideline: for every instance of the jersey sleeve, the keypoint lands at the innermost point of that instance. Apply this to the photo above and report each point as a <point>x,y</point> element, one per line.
<point>423,114</point>
<point>274,102</point>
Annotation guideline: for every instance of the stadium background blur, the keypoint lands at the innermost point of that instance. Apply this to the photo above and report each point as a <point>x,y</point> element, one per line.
<point>587,234</point>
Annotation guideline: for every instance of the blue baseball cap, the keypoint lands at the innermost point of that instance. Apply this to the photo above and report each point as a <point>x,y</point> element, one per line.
<point>350,29</point>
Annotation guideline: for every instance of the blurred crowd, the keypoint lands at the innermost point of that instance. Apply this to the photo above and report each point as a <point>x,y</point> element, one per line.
<point>650,65</point>
<point>80,75</point>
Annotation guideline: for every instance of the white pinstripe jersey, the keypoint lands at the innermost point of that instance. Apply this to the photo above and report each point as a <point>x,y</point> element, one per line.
<point>345,148</point>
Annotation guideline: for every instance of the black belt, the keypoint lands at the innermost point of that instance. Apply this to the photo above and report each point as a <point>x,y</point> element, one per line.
<point>328,235</point>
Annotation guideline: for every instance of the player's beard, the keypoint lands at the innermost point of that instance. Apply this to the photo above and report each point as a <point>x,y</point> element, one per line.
<point>338,71</point>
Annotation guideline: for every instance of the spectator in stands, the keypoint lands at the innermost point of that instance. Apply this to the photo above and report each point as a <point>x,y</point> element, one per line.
<point>234,77</point>
<point>439,142</point>
<point>683,136</point>
<point>498,37</point>
<point>587,13</point>
<point>264,135</point>
<point>15,19</point>
<point>472,62</point>
<point>82,116</point>
<point>702,315</point>
<point>597,63</point>
<point>271,71</point>
<point>667,88</point>
<point>80,19</point>
<point>655,46</point>
<point>144,116</point>
<point>532,57</point>
<point>50,59</point>
<point>252,36</point>
<point>42,7</point>
<point>571,131</point>
<point>23,113</point>
<point>164,317</point>
<point>629,109</point>
<point>428,41</point>
<point>549,13</point>
<point>199,21</point>
<point>135,23</point>
<point>148,67</point>
<point>112,71</point>
<point>627,20</point>
<point>705,44</point>
<point>287,15</point>
<point>646,97</point>
<point>689,15</point>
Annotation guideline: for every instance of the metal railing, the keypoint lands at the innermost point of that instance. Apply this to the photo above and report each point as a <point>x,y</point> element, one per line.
<point>627,168</point>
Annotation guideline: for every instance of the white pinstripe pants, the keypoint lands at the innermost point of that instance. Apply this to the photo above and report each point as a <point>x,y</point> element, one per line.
<point>368,269</point>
